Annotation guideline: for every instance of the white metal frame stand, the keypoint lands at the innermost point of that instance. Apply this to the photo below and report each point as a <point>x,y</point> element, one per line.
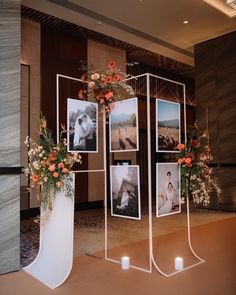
<point>104,170</point>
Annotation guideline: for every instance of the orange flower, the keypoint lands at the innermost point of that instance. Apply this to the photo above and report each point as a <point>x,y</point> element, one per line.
<point>58,184</point>
<point>181,147</point>
<point>184,160</point>
<point>65,170</point>
<point>82,94</point>
<point>116,77</point>
<point>188,160</point>
<point>61,165</point>
<point>51,168</point>
<point>180,161</point>
<point>52,156</point>
<point>55,174</point>
<point>112,64</point>
<point>35,178</point>
<point>108,79</point>
<point>189,165</point>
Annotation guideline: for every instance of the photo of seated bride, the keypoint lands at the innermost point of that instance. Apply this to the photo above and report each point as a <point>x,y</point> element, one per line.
<point>125,194</point>
<point>168,189</point>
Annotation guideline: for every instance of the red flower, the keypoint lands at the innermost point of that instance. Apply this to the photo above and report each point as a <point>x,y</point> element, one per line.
<point>84,77</point>
<point>112,64</point>
<point>108,79</point>
<point>116,77</point>
<point>189,165</point>
<point>191,156</point>
<point>102,81</point>
<point>195,143</point>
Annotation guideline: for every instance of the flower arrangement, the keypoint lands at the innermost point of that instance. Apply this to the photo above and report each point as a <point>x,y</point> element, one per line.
<point>49,166</point>
<point>196,175</point>
<point>105,86</point>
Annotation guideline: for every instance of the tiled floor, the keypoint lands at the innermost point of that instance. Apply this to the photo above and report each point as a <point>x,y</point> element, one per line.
<point>89,230</point>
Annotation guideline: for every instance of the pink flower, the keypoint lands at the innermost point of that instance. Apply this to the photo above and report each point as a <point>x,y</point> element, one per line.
<point>58,184</point>
<point>101,101</point>
<point>61,165</point>
<point>65,170</point>
<point>55,174</point>
<point>109,95</point>
<point>51,168</point>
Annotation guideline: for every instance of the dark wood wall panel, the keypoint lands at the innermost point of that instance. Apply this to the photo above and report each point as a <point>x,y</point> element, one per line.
<point>215,62</point>
<point>61,53</point>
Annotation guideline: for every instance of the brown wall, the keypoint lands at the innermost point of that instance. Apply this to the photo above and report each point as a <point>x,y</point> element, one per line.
<point>61,54</point>
<point>215,62</point>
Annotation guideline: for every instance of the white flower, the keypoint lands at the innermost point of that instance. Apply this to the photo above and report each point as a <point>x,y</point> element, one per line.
<point>27,170</point>
<point>26,140</point>
<point>91,84</point>
<point>40,155</point>
<point>95,76</point>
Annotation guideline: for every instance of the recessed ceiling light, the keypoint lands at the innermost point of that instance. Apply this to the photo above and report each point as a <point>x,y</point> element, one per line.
<point>185,22</point>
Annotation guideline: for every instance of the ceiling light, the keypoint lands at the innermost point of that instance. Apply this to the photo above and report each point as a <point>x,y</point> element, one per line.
<point>99,22</point>
<point>185,22</point>
<point>231,3</point>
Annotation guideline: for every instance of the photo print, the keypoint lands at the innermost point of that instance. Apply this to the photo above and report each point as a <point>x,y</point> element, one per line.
<point>82,123</point>
<point>168,200</point>
<point>123,125</point>
<point>125,191</point>
<point>167,126</point>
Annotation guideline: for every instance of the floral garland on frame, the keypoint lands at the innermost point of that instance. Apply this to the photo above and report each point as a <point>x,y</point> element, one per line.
<point>49,166</point>
<point>196,175</point>
<point>105,86</point>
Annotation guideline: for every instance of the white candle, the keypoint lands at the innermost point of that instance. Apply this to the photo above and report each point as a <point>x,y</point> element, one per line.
<point>179,263</point>
<point>125,262</point>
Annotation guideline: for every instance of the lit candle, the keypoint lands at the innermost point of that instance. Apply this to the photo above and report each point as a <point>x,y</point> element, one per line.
<point>125,262</point>
<point>179,263</point>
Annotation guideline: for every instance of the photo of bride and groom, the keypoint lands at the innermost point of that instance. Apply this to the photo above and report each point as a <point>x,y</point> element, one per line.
<point>168,189</point>
<point>125,193</point>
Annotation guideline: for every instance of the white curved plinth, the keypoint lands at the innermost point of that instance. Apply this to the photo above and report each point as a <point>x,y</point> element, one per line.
<point>53,263</point>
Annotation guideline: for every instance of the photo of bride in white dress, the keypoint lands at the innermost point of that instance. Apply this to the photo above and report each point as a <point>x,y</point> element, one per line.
<point>168,189</point>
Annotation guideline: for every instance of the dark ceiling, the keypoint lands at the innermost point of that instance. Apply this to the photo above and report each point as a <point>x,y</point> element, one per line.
<point>133,53</point>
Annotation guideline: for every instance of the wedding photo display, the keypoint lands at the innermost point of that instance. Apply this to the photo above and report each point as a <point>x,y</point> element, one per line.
<point>167,126</point>
<point>168,199</point>
<point>123,126</point>
<point>125,191</point>
<point>82,123</point>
